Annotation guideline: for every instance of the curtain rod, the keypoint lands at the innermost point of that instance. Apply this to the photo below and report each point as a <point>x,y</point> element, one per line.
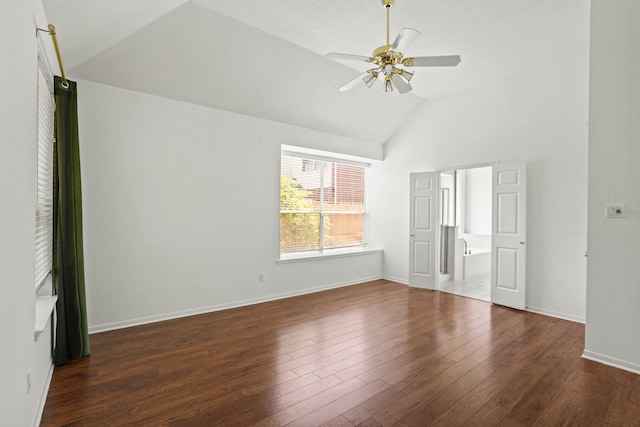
<point>52,33</point>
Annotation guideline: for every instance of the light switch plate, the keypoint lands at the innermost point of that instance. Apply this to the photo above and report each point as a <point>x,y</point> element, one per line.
<point>614,210</point>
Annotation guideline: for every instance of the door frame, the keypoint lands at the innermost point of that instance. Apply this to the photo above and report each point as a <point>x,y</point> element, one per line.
<point>439,219</point>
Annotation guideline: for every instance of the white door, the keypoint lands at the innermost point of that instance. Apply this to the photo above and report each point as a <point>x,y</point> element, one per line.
<point>423,225</point>
<point>508,262</point>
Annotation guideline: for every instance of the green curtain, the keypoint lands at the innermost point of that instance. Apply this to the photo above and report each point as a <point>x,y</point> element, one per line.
<point>72,336</point>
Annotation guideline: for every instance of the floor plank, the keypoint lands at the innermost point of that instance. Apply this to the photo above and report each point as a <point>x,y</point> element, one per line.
<point>374,354</point>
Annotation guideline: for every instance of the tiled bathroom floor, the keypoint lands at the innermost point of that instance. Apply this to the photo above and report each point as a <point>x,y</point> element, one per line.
<point>477,287</point>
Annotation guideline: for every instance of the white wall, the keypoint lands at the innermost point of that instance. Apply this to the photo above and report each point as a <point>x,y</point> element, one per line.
<point>18,121</point>
<point>181,209</point>
<point>613,274</point>
<point>538,115</point>
<point>478,201</point>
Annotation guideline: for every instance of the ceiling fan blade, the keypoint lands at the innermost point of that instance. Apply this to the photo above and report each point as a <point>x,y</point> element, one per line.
<point>348,57</point>
<point>353,83</point>
<point>401,83</point>
<point>405,38</point>
<point>433,61</point>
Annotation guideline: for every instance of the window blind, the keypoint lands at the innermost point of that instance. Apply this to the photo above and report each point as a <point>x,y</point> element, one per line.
<point>322,204</point>
<point>44,180</point>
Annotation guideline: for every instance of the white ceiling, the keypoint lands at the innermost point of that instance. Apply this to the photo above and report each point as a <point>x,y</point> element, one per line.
<point>266,59</point>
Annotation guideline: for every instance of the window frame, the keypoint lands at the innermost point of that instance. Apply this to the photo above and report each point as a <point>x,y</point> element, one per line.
<point>309,163</point>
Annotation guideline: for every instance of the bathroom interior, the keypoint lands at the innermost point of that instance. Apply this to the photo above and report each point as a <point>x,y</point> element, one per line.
<point>465,232</point>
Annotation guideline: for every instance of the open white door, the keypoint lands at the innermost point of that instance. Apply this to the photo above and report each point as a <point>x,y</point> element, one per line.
<point>508,263</point>
<point>423,225</point>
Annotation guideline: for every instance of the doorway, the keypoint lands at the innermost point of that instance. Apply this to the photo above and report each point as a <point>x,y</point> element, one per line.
<point>465,232</point>
<point>507,236</point>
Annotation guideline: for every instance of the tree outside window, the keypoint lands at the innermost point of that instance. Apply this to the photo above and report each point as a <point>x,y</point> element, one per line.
<point>321,205</point>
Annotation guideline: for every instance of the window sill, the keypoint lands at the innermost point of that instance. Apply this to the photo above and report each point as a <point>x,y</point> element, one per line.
<point>44,308</point>
<point>331,253</point>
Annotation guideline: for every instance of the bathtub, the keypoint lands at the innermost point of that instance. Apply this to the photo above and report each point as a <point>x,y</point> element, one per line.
<point>477,261</point>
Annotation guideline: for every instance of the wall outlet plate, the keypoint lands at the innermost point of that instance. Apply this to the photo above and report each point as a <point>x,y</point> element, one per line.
<point>614,210</point>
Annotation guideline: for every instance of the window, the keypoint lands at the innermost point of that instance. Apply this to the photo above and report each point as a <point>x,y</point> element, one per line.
<point>311,165</point>
<point>44,180</point>
<point>322,203</point>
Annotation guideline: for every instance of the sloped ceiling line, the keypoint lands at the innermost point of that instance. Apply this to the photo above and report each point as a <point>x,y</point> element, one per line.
<point>266,59</point>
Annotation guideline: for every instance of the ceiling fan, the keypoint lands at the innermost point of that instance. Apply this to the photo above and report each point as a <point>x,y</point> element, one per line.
<point>390,62</point>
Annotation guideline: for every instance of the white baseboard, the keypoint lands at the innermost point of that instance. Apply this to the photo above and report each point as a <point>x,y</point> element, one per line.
<point>611,361</point>
<point>209,309</point>
<point>551,313</point>
<point>537,310</point>
<point>396,279</point>
<point>43,397</point>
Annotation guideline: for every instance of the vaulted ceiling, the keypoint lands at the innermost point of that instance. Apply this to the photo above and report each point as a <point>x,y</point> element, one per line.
<point>266,59</point>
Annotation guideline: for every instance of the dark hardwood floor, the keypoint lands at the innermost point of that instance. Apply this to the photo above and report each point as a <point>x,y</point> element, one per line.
<point>375,354</point>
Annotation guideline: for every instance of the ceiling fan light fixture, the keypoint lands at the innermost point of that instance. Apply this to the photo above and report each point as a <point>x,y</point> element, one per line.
<point>370,78</point>
<point>388,87</point>
<point>406,74</point>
